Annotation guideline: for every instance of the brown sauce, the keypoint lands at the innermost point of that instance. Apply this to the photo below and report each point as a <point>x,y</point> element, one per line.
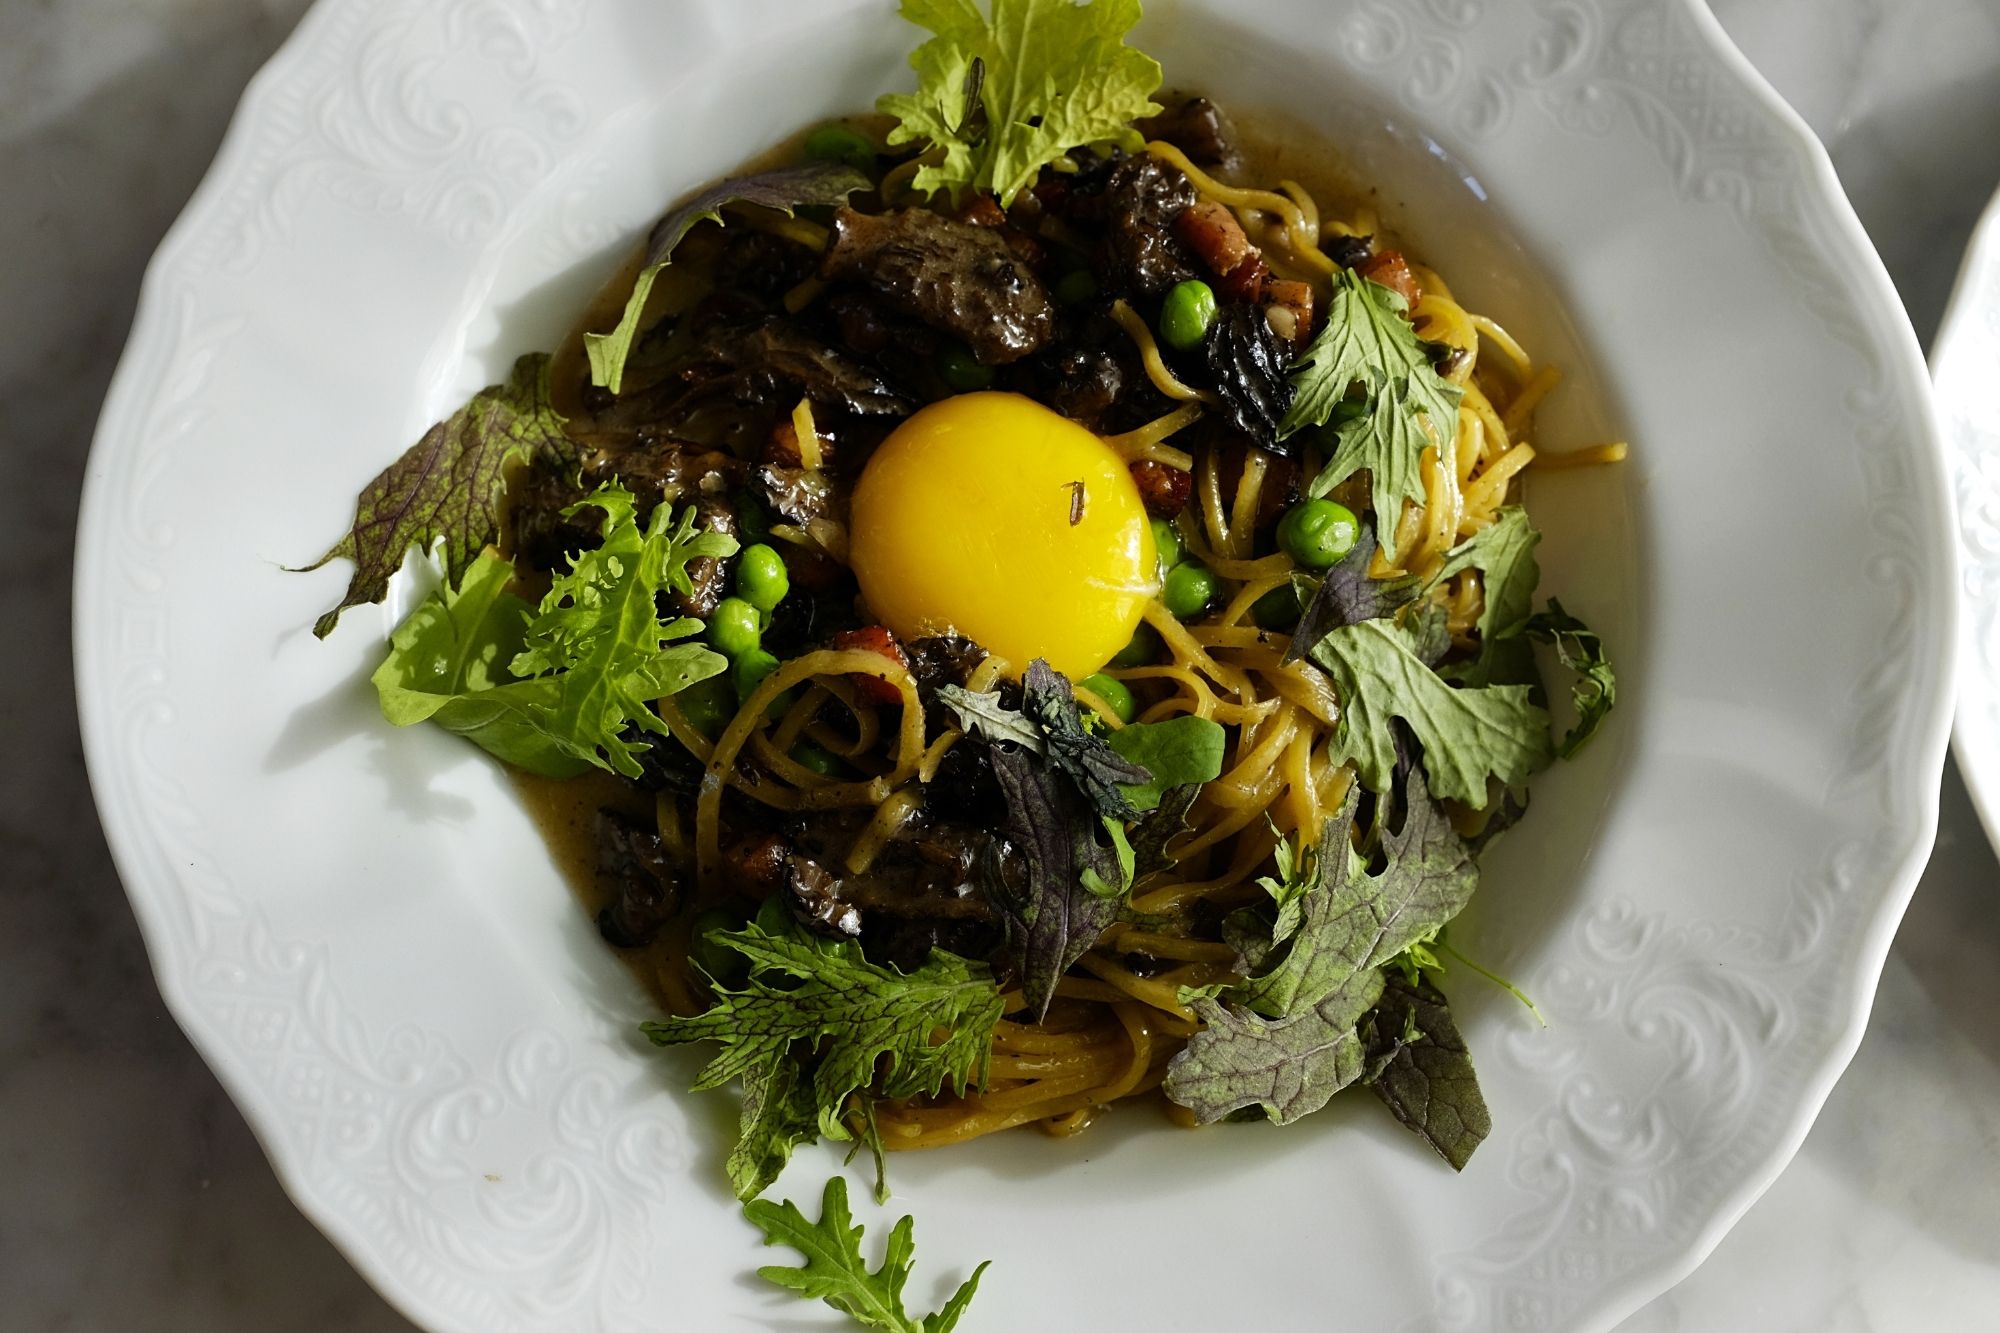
<point>565,810</point>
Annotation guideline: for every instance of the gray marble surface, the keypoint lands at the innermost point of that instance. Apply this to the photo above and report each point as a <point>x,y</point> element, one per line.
<point>131,1194</point>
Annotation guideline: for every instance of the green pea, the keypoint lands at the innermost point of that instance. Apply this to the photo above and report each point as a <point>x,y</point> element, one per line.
<point>708,705</point>
<point>761,579</point>
<point>1277,609</point>
<point>1075,287</point>
<point>720,963</point>
<point>749,673</point>
<point>750,670</point>
<point>1144,649</point>
<point>735,628</point>
<point>1186,314</point>
<point>1189,589</point>
<point>1114,693</point>
<point>821,761</point>
<point>960,371</point>
<point>1167,542</point>
<point>843,144</point>
<point>1318,533</point>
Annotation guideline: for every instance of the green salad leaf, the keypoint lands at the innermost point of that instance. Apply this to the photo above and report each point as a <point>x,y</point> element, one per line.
<point>1179,752</point>
<point>1407,406</point>
<point>835,1272</point>
<point>846,1026</point>
<point>1429,877</point>
<point>444,493</point>
<point>449,664</point>
<point>1468,734</point>
<point>1002,94</point>
<point>1421,1070</point>
<point>1580,650</point>
<point>599,632</point>
<point>784,190</point>
<point>1504,553</point>
<point>1287,1038</point>
<point>562,689</point>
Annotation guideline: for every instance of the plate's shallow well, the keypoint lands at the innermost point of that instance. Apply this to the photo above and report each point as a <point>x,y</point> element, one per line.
<point>362,933</point>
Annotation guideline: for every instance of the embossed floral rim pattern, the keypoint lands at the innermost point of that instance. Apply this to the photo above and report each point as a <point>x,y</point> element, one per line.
<point>435,1053</point>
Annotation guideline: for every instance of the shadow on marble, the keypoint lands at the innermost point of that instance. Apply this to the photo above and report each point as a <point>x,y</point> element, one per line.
<point>1920,1106</point>
<point>1951,934</point>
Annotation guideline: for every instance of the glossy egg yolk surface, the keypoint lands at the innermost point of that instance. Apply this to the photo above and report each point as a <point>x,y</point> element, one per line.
<point>991,516</point>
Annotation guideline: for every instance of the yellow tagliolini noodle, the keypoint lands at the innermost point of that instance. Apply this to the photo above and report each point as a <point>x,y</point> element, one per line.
<point>1113,1027</point>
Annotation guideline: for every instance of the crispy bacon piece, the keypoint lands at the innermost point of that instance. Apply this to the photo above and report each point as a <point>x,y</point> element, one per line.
<point>982,210</point>
<point>873,639</point>
<point>1213,233</point>
<point>1246,282</point>
<point>1290,302</point>
<point>1393,271</point>
<point>1163,489</point>
<point>758,865</point>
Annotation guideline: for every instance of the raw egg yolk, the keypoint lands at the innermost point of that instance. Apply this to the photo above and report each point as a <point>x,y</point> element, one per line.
<point>990,516</point>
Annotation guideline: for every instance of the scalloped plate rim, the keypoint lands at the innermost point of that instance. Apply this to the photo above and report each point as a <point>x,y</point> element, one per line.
<point>151,324</point>
<point>1972,744</point>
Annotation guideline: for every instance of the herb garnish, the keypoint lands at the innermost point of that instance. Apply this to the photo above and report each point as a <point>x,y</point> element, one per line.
<point>816,1024</point>
<point>1419,1067</point>
<point>1077,816</point>
<point>1504,554</point>
<point>981,713</point>
<point>1001,95</point>
<point>1345,596</point>
<point>444,493</point>
<point>1179,752</point>
<point>1407,406</point>
<point>1054,912</point>
<point>1468,734</point>
<point>835,1272</point>
<point>1579,648</point>
<point>1100,772</point>
<point>563,689</point>
<point>1286,1038</point>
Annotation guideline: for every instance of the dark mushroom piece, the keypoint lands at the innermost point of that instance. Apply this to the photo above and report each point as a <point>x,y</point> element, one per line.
<point>1141,199</point>
<point>640,888</point>
<point>960,279</point>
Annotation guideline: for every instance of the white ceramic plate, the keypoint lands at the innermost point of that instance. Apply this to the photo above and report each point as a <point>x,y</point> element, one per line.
<point>362,933</point>
<point>1965,368</point>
